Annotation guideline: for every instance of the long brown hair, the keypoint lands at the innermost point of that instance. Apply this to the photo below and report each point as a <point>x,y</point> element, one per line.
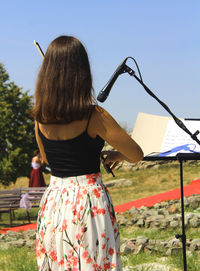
<point>64,85</point>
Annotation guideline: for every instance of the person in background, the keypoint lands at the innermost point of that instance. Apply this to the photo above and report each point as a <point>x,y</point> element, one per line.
<point>77,228</point>
<point>36,176</point>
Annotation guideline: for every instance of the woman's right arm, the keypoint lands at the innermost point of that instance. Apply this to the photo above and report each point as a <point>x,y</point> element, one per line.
<point>107,128</point>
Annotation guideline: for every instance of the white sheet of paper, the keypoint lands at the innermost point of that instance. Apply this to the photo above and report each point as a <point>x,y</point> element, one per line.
<point>176,140</point>
<point>157,134</point>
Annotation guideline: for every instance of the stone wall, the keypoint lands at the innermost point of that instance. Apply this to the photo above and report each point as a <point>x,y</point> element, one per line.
<point>164,215</point>
<point>161,216</point>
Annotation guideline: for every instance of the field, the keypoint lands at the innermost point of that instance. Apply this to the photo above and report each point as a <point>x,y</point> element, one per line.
<point>145,182</point>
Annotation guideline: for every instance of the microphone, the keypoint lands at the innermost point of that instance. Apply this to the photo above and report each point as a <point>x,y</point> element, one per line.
<point>103,94</point>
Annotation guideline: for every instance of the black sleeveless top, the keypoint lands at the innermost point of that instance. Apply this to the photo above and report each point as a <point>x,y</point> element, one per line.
<point>73,157</point>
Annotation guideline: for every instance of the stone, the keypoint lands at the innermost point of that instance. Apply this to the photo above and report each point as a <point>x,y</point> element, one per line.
<point>189,215</point>
<point>186,202</point>
<point>143,208</point>
<point>163,212</point>
<point>173,209</point>
<point>122,241</point>
<point>122,221</point>
<point>164,204</point>
<point>133,211</point>
<point>148,249</point>
<point>152,242</point>
<point>19,243</point>
<point>157,206</point>
<point>194,222</point>
<point>194,203</point>
<point>148,222</point>
<point>173,251</point>
<point>119,182</point>
<point>127,247</point>
<point>142,240</point>
<point>174,242</point>
<point>123,182</point>
<point>147,213</point>
<point>11,234</point>
<point>195,244</point>
<point>161,244</point>
<point>134,220</point>
<point>141,223</point>
<point>174,224</point>
<point>164,224</point>
<point>158,217</point>
<point>157,224</point>
<point>139,249</point>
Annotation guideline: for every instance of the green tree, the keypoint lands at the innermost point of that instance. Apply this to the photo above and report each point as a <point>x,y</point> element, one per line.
<point>17,139</point>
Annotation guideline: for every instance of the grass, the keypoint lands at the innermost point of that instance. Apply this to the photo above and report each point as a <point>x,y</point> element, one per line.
<point>18,259</point>
<point>133,260</point>
<point>148,182</point>
<point>175,261</point>
<point>145,182</point>
<point>156,234</point>
<point>193,262</point>
<point>13,260</point>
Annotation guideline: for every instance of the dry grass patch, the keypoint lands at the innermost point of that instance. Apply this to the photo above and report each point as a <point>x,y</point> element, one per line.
<point>145,182</point>
<point>148,182</point>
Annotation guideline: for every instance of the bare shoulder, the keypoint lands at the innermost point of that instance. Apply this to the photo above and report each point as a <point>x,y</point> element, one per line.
<point>99,113</point>
<point>102,123</point>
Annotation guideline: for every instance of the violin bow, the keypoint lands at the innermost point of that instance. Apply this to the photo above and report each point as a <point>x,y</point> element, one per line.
<point>38,48</point>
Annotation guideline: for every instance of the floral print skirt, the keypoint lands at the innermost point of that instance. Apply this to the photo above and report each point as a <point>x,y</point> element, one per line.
<point>77,228</point>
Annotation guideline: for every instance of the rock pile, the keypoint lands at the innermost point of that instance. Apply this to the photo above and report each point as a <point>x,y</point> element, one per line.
<point>18,239</point>
<point>163,215</point>
<point>167,247</point>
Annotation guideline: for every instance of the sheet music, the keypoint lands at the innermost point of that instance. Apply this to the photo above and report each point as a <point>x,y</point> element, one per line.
<point>176,140</point>
<point>157,134</point>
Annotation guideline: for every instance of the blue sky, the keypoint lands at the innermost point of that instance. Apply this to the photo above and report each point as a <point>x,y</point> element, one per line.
<point>162,35</point>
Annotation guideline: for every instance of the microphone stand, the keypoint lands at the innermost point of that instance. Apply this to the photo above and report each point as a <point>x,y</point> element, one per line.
<point>180,157</point>
<point>178,121</point>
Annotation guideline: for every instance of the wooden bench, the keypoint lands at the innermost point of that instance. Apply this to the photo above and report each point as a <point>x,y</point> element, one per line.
<point>10,200</point>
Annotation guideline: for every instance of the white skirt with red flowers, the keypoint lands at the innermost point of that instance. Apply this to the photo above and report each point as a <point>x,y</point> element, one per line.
<point>77,228</point>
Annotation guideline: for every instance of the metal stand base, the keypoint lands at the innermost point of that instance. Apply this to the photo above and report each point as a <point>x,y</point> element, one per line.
<point>182,236</point>
<point>181,157</point>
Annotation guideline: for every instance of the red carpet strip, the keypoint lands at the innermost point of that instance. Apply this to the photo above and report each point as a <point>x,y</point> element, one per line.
<point>188,190</point>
